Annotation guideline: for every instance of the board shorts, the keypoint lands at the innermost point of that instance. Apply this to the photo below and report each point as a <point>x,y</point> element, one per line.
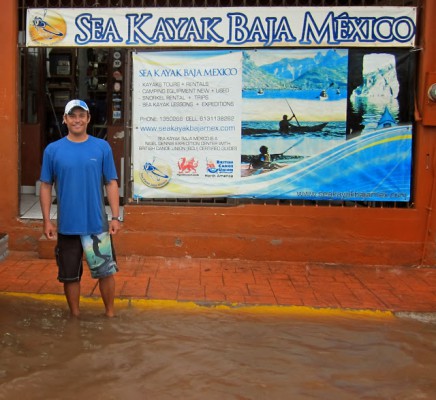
<point>97,249</point>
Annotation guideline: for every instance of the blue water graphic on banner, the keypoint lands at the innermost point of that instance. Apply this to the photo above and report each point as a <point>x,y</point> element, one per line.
<point>374,166</point>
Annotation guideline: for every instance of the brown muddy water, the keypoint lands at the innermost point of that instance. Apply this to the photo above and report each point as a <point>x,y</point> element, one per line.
<point>207,354</point>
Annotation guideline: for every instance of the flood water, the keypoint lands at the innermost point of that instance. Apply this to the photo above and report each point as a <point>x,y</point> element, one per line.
<point>210,354</point>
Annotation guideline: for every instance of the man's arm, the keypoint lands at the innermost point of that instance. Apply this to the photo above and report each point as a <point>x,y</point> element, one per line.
<point>49,228</point>
<point>114,203</point>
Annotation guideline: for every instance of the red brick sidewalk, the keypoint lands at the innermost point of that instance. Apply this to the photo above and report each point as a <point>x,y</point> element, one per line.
<point>243,282</point>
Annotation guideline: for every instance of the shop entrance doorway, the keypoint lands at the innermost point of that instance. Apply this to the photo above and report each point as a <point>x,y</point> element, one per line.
<point>50,77</point>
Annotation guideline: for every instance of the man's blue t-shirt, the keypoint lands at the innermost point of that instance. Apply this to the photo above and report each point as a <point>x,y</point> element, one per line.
<point>79,171</point>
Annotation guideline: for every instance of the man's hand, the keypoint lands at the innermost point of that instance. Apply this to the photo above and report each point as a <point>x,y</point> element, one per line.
<point>49,230</point>
<point>114,227</point>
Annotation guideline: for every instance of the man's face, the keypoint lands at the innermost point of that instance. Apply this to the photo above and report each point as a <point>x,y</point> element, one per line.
<point>77,121</point>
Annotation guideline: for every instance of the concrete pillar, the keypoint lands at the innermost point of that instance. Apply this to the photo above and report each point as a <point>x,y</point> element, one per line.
<point>9,115</point>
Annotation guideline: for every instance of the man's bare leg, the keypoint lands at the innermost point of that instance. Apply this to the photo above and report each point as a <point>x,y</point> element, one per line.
<point>72,293</point>
<point>107,290</point>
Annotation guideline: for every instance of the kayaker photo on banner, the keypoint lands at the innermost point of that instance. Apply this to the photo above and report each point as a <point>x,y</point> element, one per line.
<point>336,123</point>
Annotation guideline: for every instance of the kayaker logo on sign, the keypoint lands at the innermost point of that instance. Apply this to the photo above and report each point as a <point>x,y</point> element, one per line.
<point>321,124</point>
<point>155,174</point>
<point>47,27</point>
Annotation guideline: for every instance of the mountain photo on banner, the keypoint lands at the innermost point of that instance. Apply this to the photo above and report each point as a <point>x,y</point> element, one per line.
<point>294,103</point>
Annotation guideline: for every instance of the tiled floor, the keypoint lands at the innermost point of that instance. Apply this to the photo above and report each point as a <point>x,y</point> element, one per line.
<point>237,282</point>
<point>30,208</point>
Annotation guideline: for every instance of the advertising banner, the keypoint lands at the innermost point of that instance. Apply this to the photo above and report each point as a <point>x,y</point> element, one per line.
<point>279,102</point>
<point>321,124</point>
<point>187,119</point>
<point>222,27</point>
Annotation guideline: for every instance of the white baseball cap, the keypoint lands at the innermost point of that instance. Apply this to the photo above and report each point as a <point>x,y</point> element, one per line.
<point>75,103</point>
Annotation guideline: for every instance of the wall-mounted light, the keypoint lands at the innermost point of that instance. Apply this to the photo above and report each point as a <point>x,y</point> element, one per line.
<point>432,92</point>
<point>429,101</point>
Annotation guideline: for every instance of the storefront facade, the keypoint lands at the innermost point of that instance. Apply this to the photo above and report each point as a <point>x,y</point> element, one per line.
<point>256,225</point>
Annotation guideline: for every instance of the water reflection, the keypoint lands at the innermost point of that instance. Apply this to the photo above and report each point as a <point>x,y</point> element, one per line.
<point>372,110</point>
<point>210,354</point>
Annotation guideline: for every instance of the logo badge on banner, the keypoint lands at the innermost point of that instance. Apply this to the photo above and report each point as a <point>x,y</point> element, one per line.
<point>48,28</point>
<point>188,166</point>
<point>155,174</point>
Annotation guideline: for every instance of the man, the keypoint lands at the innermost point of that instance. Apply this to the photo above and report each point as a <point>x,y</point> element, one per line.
<point>263,159</point>
<point>78,165</point>
<point>285,124</point>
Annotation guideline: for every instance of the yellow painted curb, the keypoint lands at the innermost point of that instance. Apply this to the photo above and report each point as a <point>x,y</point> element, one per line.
<point>259,309</point>
<point>234,307</point>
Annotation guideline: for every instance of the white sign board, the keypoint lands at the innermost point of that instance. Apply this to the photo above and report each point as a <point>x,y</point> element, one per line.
<point>222,27</point>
